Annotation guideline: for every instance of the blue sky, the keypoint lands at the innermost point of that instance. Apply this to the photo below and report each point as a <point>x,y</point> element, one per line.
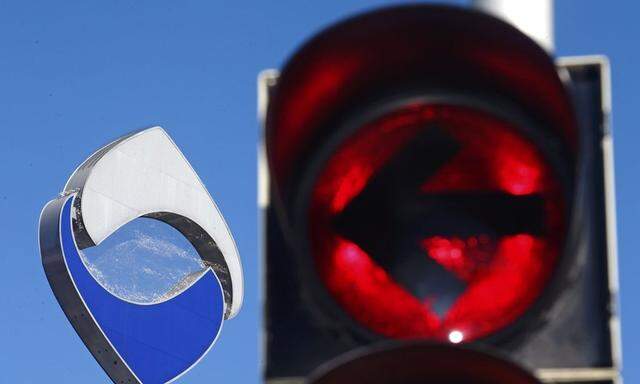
<point>76,74</point>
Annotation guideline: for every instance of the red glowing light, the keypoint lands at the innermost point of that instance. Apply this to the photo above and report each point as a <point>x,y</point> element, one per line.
<point>504,275</point>
<point>351,272</point>
<point>463,257</point>
<point>379,51</point>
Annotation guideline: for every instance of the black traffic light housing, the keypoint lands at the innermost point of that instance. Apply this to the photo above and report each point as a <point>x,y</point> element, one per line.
<point>418,362</point>
<point>484,64</point>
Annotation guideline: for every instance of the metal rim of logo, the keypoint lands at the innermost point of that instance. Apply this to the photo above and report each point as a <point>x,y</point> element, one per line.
<point>142,174</point>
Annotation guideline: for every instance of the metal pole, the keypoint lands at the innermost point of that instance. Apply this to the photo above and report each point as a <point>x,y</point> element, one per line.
<point>533,17</point>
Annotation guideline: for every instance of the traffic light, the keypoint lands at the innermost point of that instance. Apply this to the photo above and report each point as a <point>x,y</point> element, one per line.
<point>434,175</point>
<point>417,362</point>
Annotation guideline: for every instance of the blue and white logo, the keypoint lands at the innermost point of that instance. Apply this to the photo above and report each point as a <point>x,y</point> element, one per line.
<point>143,174</point>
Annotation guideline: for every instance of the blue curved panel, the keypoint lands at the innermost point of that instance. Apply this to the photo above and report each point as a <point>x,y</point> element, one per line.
<point>157,342</point>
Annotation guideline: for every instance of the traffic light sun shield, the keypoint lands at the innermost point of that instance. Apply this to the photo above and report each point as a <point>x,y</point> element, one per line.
<point>435,221</point>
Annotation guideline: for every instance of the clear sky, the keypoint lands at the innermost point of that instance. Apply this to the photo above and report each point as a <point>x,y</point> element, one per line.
<point>76,74</point>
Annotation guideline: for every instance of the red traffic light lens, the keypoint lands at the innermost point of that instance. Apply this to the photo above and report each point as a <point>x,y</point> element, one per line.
<point>437,221</point>
<point>420,363</point>
<point>403,49</point>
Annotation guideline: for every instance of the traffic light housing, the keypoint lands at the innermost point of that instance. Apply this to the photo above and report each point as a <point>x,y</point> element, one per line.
<point>417,362</point>
<point>433,177</point>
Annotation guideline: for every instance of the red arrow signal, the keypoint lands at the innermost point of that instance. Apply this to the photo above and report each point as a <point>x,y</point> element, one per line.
<point>437,222</point>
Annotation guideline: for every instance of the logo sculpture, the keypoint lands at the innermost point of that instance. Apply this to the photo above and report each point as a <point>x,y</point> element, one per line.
<point>142,174</point>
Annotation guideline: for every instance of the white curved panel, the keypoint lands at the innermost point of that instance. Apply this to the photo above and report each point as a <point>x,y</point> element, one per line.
<point>146,173</point>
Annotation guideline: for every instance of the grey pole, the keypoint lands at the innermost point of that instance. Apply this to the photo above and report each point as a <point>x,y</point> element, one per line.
<point>533,17</point>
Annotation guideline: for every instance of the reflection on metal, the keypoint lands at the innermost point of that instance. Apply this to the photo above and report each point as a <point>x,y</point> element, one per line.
<point>267,79</point>
<point>145,174</point>
<point>577,375</point>
<point>141,174</point>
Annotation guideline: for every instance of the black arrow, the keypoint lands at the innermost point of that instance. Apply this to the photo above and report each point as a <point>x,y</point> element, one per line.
<point>391,216</point>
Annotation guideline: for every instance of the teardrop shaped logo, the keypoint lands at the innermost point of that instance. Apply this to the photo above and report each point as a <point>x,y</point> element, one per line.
<point>142,174</point>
